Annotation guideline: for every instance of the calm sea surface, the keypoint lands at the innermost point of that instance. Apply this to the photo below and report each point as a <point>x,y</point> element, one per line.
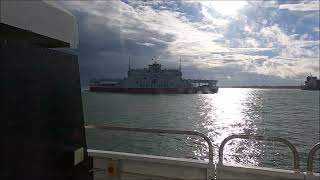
<point>290,114</point>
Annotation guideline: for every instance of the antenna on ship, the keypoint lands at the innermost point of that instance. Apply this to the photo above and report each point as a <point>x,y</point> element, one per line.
<point>180,65</point>
<point>129,65</point>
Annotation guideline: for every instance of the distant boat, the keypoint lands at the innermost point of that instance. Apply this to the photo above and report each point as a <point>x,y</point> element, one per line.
<point>155,80</point>
<point>311,83</point>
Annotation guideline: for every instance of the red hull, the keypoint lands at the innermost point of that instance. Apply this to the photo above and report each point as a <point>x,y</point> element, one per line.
<point>152,90</point>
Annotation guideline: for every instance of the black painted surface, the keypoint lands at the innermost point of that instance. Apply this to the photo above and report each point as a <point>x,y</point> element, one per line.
<point>12,33</point>
<point>40,113</point>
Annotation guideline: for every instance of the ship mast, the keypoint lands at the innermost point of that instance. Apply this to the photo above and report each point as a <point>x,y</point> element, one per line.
<point>129,64</point>
<point>180,65</point>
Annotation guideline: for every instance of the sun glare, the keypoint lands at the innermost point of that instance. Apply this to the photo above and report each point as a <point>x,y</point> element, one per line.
<point>226,7</point>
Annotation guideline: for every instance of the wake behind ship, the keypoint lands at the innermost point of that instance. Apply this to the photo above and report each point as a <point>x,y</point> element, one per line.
<point>156,81</point>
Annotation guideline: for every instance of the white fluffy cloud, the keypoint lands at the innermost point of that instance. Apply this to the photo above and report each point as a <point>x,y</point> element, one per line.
<point>312,5</point>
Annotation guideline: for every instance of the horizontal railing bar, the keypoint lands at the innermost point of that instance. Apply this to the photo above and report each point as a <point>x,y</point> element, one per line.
<point>311,154</point>
<point>163,131</point>
<point>262,138</point>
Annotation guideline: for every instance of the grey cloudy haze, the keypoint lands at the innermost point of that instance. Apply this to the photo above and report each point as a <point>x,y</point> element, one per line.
<point>236,42</point>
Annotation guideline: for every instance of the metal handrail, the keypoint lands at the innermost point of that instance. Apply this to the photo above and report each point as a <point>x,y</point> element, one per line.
<point>277,139</point>
<point>162,131</point>
<point>312,151</point>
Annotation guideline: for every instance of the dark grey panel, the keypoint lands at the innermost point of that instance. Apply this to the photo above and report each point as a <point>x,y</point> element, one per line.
<point>12,33</point>
<point>41,114</point>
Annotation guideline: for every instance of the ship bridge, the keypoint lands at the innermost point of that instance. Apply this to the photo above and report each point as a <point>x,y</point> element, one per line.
<point>200,82</point>
<point>155,66</point>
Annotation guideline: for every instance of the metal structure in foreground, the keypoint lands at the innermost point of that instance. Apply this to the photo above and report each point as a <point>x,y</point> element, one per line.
<point>262,138</point>
<point>156,131</point>
<point>311,154</point>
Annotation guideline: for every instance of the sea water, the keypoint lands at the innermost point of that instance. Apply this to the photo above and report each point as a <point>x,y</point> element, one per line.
<point>292,114</point>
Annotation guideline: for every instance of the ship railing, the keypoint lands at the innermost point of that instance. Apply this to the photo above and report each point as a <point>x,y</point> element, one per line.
<point>218,170</point>
<point>262,138</point>
<point>210,166</point>
<point>295,153</point>
<point>311,155</point>
<point>158,131</point>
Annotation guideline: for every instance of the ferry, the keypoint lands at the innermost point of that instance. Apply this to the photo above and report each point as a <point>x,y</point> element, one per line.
<point>311,83</point>
<point>43,134</point>
<point>155,80</point>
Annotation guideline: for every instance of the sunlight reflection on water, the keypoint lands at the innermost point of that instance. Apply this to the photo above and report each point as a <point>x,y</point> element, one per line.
<point>229,113</point>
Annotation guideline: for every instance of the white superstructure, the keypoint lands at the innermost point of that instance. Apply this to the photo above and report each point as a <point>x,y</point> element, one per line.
<point>154,79</point>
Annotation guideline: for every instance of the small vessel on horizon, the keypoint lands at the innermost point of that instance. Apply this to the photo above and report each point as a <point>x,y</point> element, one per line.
<point>311,83</point>
<point>154,80</point>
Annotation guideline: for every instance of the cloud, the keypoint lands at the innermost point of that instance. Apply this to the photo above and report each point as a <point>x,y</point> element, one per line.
<point>295,50</point>
<point>266,39</point>
<point>302,6</point>
<point>145,44</point>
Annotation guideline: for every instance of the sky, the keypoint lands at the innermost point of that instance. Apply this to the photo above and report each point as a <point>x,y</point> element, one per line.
<point>271,42</point>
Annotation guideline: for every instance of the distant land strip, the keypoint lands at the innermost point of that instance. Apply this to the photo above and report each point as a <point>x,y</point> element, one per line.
<point>265,87</point>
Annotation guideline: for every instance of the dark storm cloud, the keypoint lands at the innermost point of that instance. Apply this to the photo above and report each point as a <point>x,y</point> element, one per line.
<point>105,48</point>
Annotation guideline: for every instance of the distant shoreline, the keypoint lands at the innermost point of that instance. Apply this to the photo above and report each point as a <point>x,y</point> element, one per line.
<point>265,87</point>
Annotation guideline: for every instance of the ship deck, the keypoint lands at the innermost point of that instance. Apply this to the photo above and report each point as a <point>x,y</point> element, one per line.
<point>129,166</point>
